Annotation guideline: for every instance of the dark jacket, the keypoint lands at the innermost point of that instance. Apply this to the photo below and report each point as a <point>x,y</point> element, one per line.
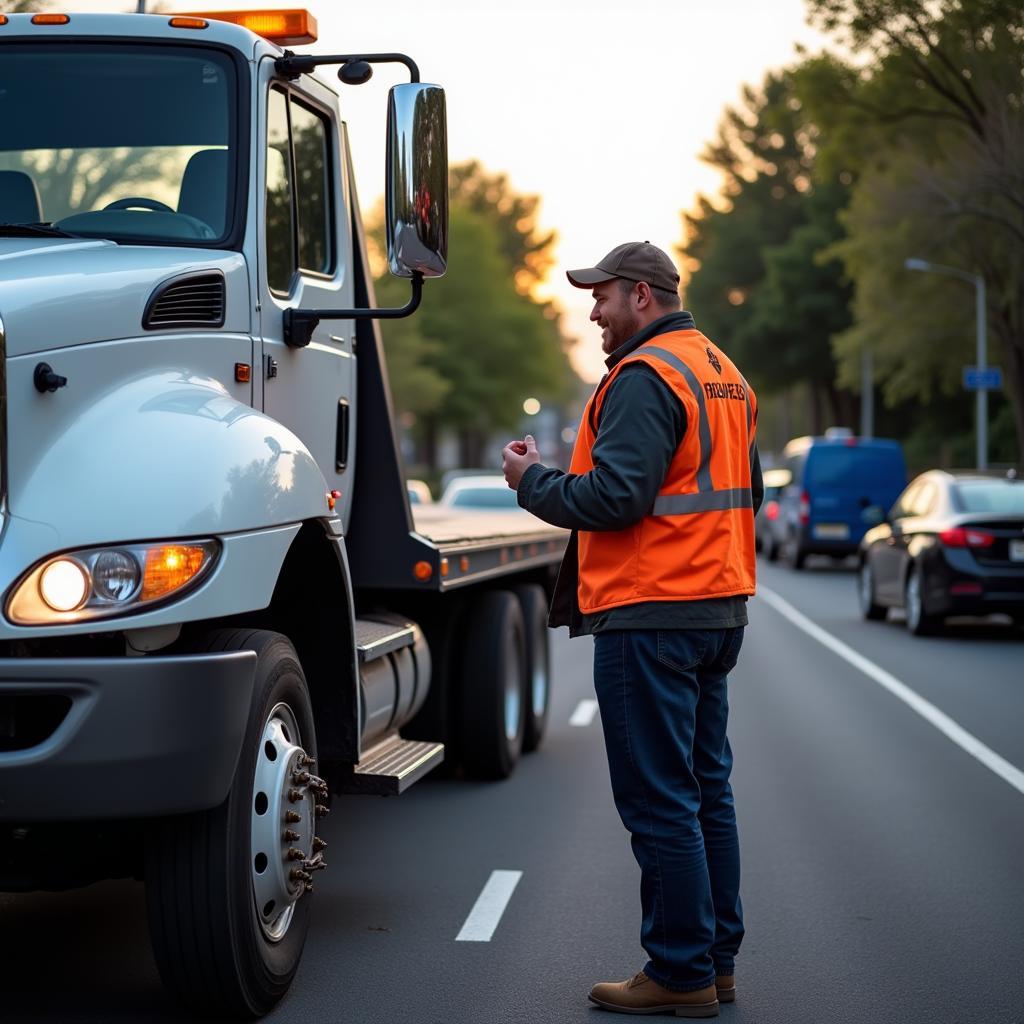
<point>641,427</point>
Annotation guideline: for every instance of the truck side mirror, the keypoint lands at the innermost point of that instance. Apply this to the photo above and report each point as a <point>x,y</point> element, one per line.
<point>417,181</point>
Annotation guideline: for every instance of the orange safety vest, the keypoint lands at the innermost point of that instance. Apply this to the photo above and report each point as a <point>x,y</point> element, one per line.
<point>697,541</point>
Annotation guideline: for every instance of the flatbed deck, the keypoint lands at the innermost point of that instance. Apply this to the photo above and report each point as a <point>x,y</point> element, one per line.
<point>472,545</point>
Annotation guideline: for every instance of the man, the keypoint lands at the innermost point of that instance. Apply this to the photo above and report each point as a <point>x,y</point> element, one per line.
<point>660,496</point>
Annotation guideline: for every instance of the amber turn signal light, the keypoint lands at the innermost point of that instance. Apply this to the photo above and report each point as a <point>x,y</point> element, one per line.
<point>169,568</point>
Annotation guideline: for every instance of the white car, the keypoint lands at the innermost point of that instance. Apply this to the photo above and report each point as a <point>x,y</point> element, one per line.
<point>488,491</point>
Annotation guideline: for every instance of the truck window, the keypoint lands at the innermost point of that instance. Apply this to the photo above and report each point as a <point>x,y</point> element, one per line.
<point>118,141</point>
<point>312,188</point>
<point>298,192</point>
<point>280,227</point>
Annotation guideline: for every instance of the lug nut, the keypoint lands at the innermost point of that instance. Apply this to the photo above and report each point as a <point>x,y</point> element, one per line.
<point>295,795</point>
<point>321,811</point>
<point>318,844</point>
<point>300,778</point>
<point>306,761</point>
<point>294,854</point>
<point>309,887</point>
<point>298,875</point>
<point>291,836</point>
<point>292,818</point>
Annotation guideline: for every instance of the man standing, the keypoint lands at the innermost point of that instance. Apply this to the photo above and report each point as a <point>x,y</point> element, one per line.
<point>660,496</point>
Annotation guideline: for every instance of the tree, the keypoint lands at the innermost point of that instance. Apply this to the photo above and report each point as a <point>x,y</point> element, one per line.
<point>930,122</point>
<point>756,284</point>
<point>478,346</point>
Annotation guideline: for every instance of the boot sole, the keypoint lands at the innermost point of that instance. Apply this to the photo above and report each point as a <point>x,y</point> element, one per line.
<point>727,995</point>
<point>691,1011</point>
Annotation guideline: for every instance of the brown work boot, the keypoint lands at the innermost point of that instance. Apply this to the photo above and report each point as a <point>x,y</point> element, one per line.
<point>725,984</point>
<point>644,995</point>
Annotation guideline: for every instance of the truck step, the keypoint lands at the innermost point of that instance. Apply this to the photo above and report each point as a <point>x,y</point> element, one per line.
<point>375,638</point>
<point>390,767</point>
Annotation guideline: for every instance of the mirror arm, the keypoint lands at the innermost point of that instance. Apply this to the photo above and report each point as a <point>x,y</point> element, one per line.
<point>292,65</point>
<point>299,324</point>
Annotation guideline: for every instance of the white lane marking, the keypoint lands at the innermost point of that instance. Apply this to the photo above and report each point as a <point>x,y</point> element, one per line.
<point>584,713</point>
<point>489,907</point>
<point>928,711</point>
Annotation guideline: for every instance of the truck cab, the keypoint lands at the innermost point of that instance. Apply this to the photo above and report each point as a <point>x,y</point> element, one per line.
<point>218,611</point>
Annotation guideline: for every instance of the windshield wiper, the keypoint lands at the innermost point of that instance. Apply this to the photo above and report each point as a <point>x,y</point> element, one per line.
<point>32,231</point>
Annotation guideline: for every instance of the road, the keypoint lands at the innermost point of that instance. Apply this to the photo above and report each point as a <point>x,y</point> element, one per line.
<point>883,863</point>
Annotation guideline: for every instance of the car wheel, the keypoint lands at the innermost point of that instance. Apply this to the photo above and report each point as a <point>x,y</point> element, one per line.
<point>795,555</point>
<point>226,888</point>
<point>919,622</point>
<point>869,607</point>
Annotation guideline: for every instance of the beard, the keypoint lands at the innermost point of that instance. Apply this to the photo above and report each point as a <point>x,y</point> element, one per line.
<point>618,330</point>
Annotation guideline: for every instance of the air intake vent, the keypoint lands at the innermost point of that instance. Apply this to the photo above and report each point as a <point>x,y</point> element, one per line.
<point>189,302</point>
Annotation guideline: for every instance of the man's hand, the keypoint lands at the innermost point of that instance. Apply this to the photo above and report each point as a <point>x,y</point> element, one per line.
<point>516,457</point>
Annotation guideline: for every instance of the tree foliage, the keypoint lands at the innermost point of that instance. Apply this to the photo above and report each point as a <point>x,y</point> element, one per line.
<point>756,283</point>
<point>931,124</point>
<point>478,346</point>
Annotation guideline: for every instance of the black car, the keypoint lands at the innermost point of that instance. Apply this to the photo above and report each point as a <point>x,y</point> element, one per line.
<point>953,544</point>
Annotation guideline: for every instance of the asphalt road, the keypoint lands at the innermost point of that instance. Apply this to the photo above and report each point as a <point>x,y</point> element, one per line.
<point>883,864</point>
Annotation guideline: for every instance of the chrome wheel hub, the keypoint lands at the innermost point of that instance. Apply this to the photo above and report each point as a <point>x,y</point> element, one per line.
<point>285,850</point>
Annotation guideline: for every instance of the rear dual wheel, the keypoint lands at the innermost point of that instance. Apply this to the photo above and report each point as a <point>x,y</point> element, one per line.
<point>505,679</point>
<point>228,908</point>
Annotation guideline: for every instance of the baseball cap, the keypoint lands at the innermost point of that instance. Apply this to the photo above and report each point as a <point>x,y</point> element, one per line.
<point>635,261</point>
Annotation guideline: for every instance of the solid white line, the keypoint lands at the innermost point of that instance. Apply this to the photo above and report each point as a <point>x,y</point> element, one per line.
<point>584,713</point>
<point>928,711</point>
<point>489,907</point>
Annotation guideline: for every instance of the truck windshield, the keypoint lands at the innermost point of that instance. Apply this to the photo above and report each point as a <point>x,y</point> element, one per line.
<point>132,144</point>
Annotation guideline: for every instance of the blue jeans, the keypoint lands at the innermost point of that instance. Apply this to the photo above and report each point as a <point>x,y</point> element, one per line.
<point>664,711</point>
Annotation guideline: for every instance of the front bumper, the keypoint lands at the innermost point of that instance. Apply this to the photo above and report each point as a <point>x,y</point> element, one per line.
<point>120,737</point>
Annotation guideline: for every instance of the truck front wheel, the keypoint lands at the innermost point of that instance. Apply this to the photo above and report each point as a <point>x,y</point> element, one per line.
<point>493,696</point>
<point>227,888</point>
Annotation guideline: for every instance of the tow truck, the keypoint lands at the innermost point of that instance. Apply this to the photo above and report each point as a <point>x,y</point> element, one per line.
<point>218,609</point>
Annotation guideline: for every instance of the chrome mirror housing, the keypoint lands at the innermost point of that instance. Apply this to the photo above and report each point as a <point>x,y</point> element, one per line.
<point>417,181</point>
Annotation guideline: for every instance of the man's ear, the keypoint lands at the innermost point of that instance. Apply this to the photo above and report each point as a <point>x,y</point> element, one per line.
<point>644,296</point>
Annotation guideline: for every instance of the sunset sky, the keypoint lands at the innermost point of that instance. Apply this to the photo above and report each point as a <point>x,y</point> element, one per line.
<point>600,106</point>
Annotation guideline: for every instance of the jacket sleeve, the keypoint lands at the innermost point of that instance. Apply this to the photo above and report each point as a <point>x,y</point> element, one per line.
<point>642,423</point>
<point>756,481</point>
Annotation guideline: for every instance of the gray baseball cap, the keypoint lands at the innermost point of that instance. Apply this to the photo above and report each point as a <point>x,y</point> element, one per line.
<point>635,261</point>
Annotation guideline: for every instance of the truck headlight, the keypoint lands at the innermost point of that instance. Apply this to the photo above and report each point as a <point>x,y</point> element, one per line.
<point>101,582</point>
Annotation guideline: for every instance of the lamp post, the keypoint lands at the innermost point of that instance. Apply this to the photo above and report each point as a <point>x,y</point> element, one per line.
<point>981,401</point>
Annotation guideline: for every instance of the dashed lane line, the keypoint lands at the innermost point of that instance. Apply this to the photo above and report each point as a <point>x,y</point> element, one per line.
<point>584,713</point>
<point>951,729</point>
<point>490,905</point>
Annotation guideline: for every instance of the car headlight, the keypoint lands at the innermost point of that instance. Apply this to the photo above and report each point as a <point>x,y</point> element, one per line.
<point>101,582</point>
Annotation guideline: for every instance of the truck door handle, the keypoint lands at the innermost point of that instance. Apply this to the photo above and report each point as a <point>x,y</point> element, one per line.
<point>341,437</point>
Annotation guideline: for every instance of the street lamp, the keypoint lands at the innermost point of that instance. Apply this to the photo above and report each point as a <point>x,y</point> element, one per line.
<point>981,406</point>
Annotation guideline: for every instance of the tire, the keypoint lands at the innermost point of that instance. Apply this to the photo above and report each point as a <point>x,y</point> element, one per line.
<point>795,555</point>
<point>533,603</point>
<point>492,707</point>
<point>221,945</point>
<point>869,608</point>
<point>919,622</point>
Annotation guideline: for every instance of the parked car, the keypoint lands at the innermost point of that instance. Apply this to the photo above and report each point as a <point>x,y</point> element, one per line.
<point>769,526</point>
<point>485,491</point>
<point>834,479</point>
<point>952,544</point>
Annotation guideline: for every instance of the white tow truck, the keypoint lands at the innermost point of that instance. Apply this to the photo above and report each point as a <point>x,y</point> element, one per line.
<point>217,608</point>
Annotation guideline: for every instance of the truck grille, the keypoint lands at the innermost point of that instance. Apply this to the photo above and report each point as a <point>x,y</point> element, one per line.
<point>190,302</point>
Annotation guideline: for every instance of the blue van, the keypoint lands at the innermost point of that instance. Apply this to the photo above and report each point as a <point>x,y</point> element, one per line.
<point>840,485</point>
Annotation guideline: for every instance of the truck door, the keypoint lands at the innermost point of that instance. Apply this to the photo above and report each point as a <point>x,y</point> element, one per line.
<point>305,242</point>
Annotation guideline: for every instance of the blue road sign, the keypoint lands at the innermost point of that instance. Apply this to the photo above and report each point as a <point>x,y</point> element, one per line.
<point>989,379</point>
